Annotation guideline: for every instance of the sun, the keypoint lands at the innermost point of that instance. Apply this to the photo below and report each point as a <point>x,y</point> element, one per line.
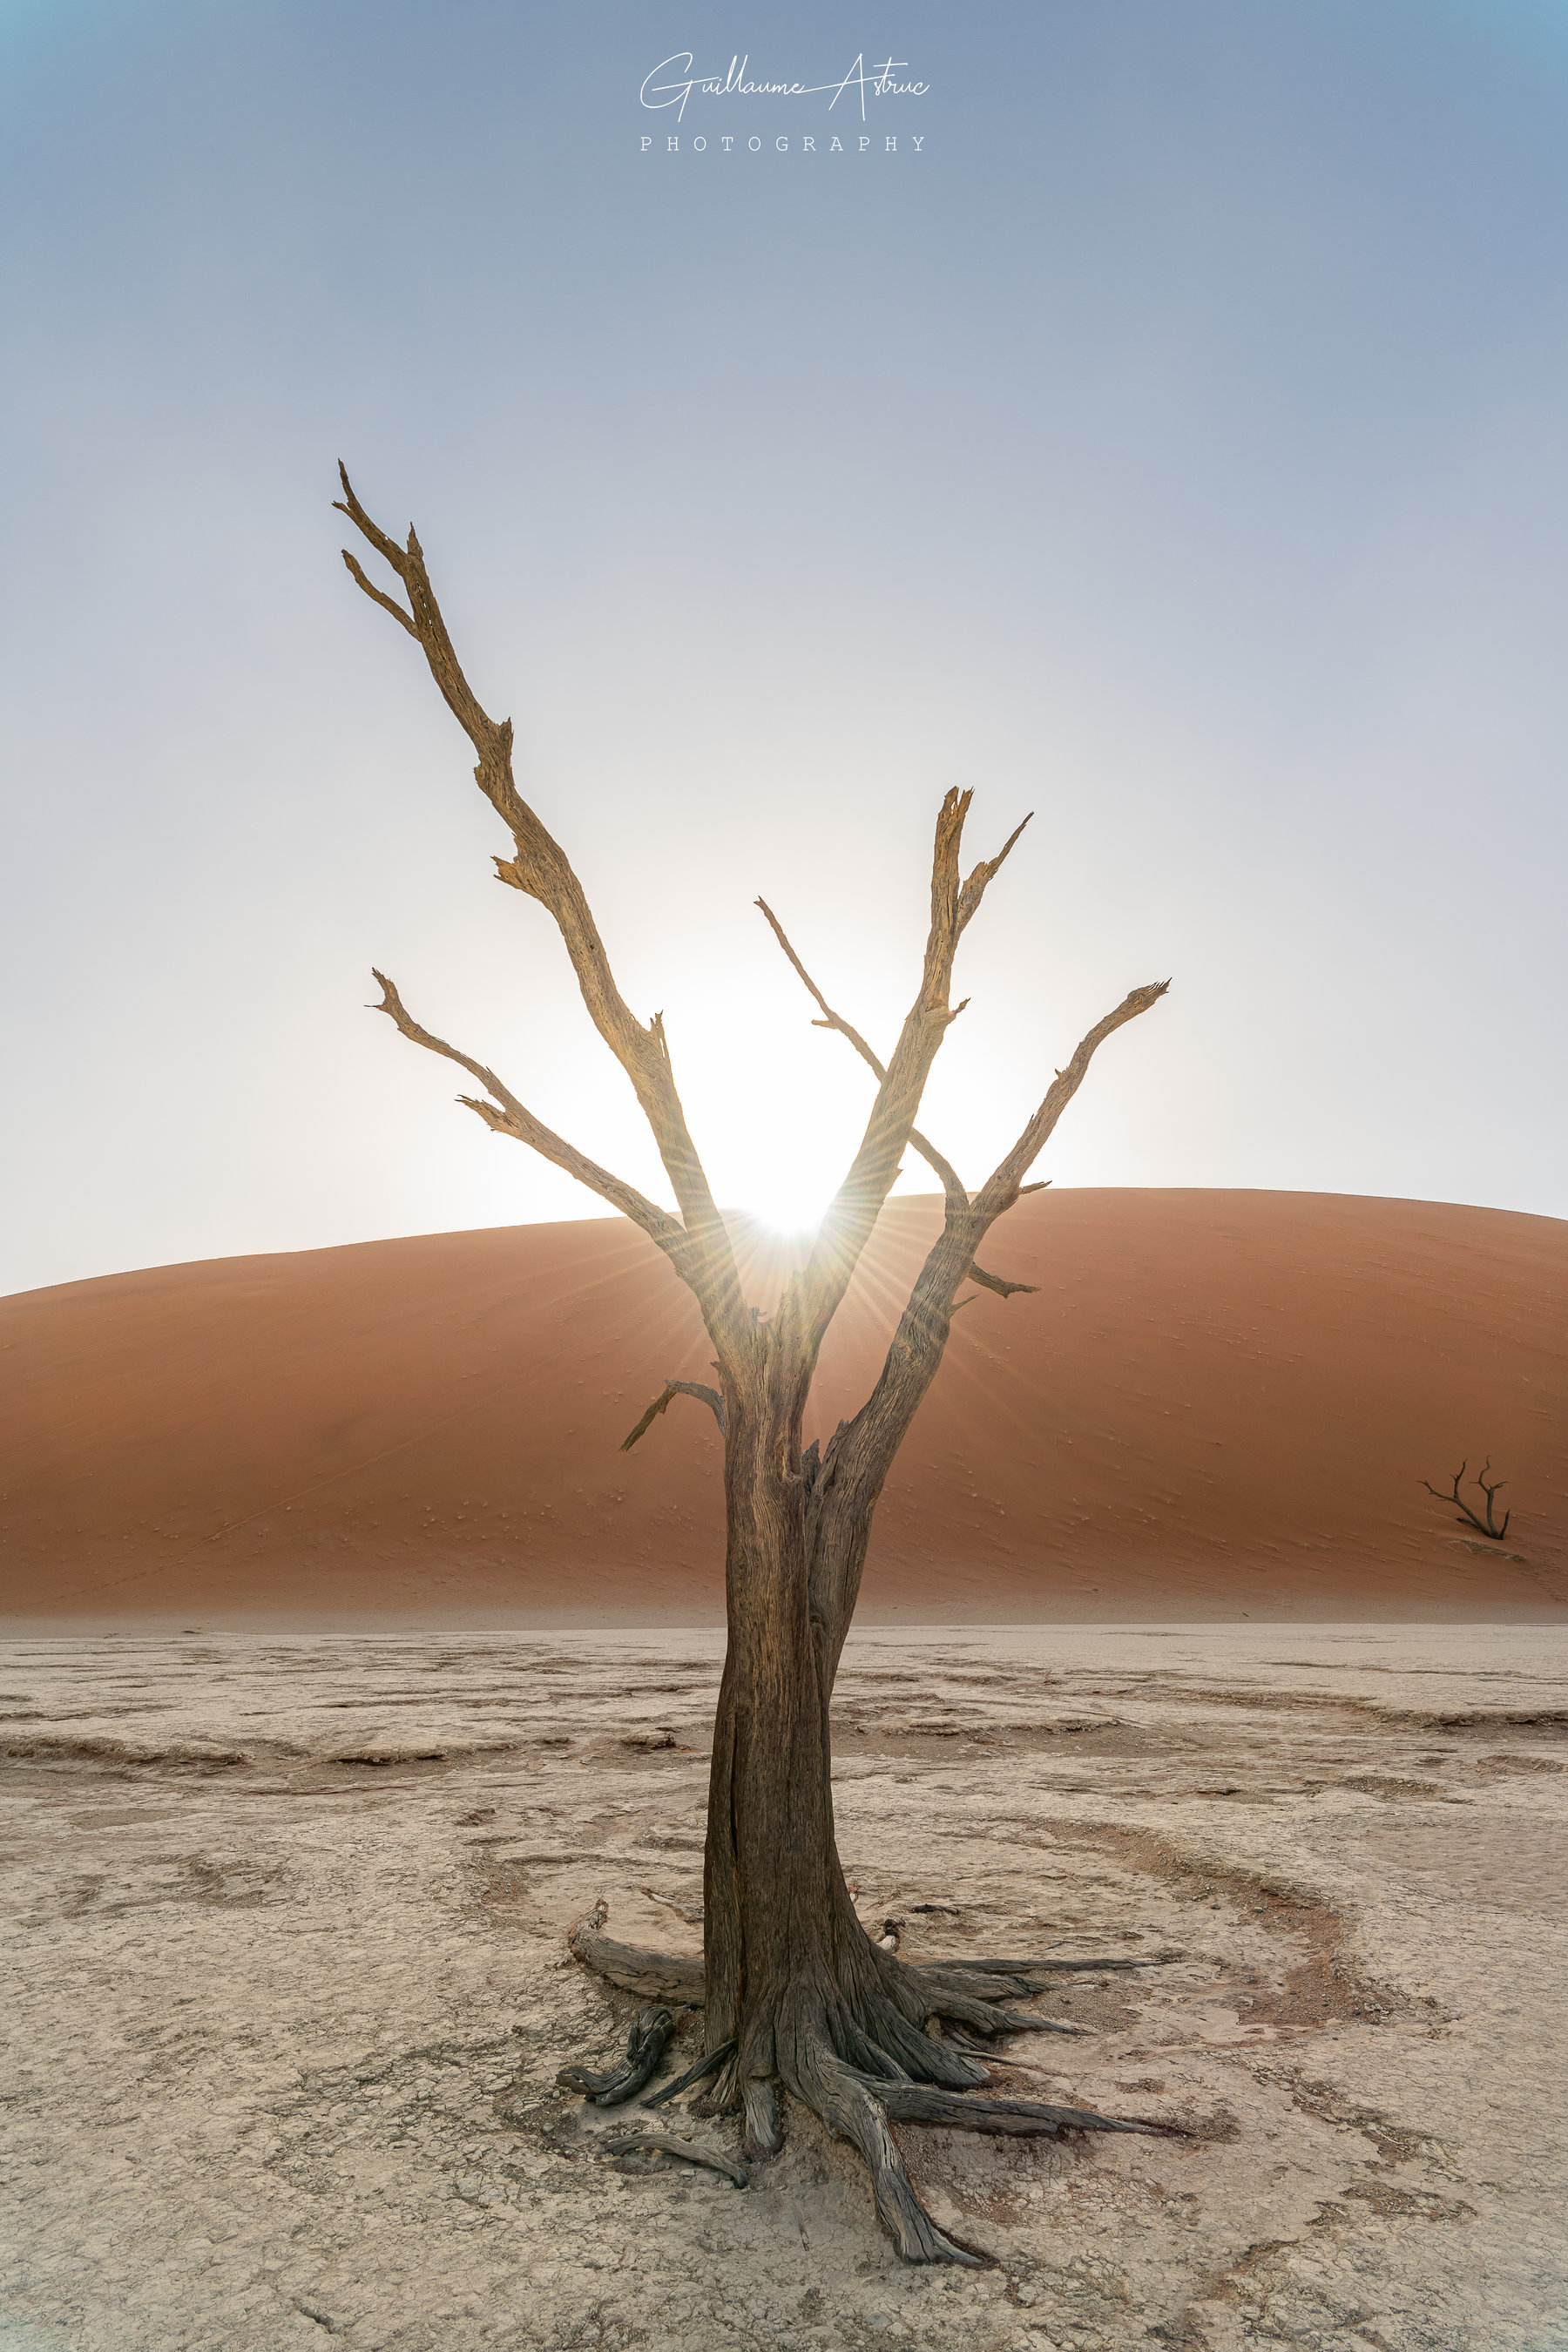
<point>786,1188</point>
<point>786,1212</point>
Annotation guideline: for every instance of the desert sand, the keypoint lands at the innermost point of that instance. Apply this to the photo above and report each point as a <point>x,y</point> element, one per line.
<point>1217,1405</point>
<point>280,2060</point>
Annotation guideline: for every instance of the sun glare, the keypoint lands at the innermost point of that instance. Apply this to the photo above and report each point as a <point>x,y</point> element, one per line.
<point>788,1213</point>
<point>788,1192</point>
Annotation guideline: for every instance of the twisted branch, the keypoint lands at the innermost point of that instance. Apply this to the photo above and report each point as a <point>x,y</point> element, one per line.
<point>858,1458</point>
<point>540,868</point>
<point>855,1208</point>
<point>698,1389</point>
<point>506,1115</point>
<point>951,1181</point>
<point>1489,1525</point>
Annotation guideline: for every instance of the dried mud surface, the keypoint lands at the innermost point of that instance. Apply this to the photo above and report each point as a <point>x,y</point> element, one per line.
<point>289,1990</point>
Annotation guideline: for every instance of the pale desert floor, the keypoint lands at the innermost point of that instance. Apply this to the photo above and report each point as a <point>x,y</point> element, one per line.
<point>289,1990</point>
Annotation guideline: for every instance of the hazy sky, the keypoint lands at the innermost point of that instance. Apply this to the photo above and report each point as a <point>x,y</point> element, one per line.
<point>1173,444</point>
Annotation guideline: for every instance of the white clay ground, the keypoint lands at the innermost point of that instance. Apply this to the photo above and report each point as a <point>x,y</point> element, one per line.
<point>288,1989</point>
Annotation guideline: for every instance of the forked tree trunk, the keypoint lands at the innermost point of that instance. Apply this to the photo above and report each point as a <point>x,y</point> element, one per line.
<point>797,1993</point>
<point>794,1986</point>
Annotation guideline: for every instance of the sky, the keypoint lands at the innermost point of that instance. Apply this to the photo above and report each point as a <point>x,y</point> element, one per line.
<point>1172,444</point>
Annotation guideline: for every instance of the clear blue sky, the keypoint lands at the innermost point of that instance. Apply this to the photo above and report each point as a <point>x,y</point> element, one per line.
<point>1175,444</point>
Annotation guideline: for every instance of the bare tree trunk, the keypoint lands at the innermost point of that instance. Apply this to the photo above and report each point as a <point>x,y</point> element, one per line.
<point>789,1973</point>
<point>767,1901</point>
<point>791,1978</point>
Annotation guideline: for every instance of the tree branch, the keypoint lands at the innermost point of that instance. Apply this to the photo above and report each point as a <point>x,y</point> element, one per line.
<point>698,1389</point>
<point>388,604</point>
<point>859,1457</point>
<point>506,1115</point>
<point>1004,1185</point>
<point>1489,1525</point>
<point>951,1181</point>
<point>984,873</point>
<point>539,868</point>
<point>857,1203</point>
<point>947,1175</point>
<point>994,1281</point>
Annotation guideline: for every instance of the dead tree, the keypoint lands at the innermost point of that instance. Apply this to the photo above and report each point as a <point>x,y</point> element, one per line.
<point>1489,1525</point>
<point>795,1993</point>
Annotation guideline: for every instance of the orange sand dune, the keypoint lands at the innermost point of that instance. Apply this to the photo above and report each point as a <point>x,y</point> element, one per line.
<point>1218,1404</point>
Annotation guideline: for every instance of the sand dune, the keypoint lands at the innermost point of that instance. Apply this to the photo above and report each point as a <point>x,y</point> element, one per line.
<point>1218,1404</point>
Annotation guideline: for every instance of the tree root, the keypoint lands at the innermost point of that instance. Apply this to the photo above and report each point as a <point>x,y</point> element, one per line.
<point>918,2103</point>
<point>856,2112</point>
<point>863,2112</point>
<point>857,2040</point>
<point>1035,1968</point>
<point>706,2065</point>
<point>689,2151</point>
<point>645,2047</point>
<point>987,2016</point>
<point>1004,2058</point>
<point>657,1976</point>
<point>764,2133</point>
